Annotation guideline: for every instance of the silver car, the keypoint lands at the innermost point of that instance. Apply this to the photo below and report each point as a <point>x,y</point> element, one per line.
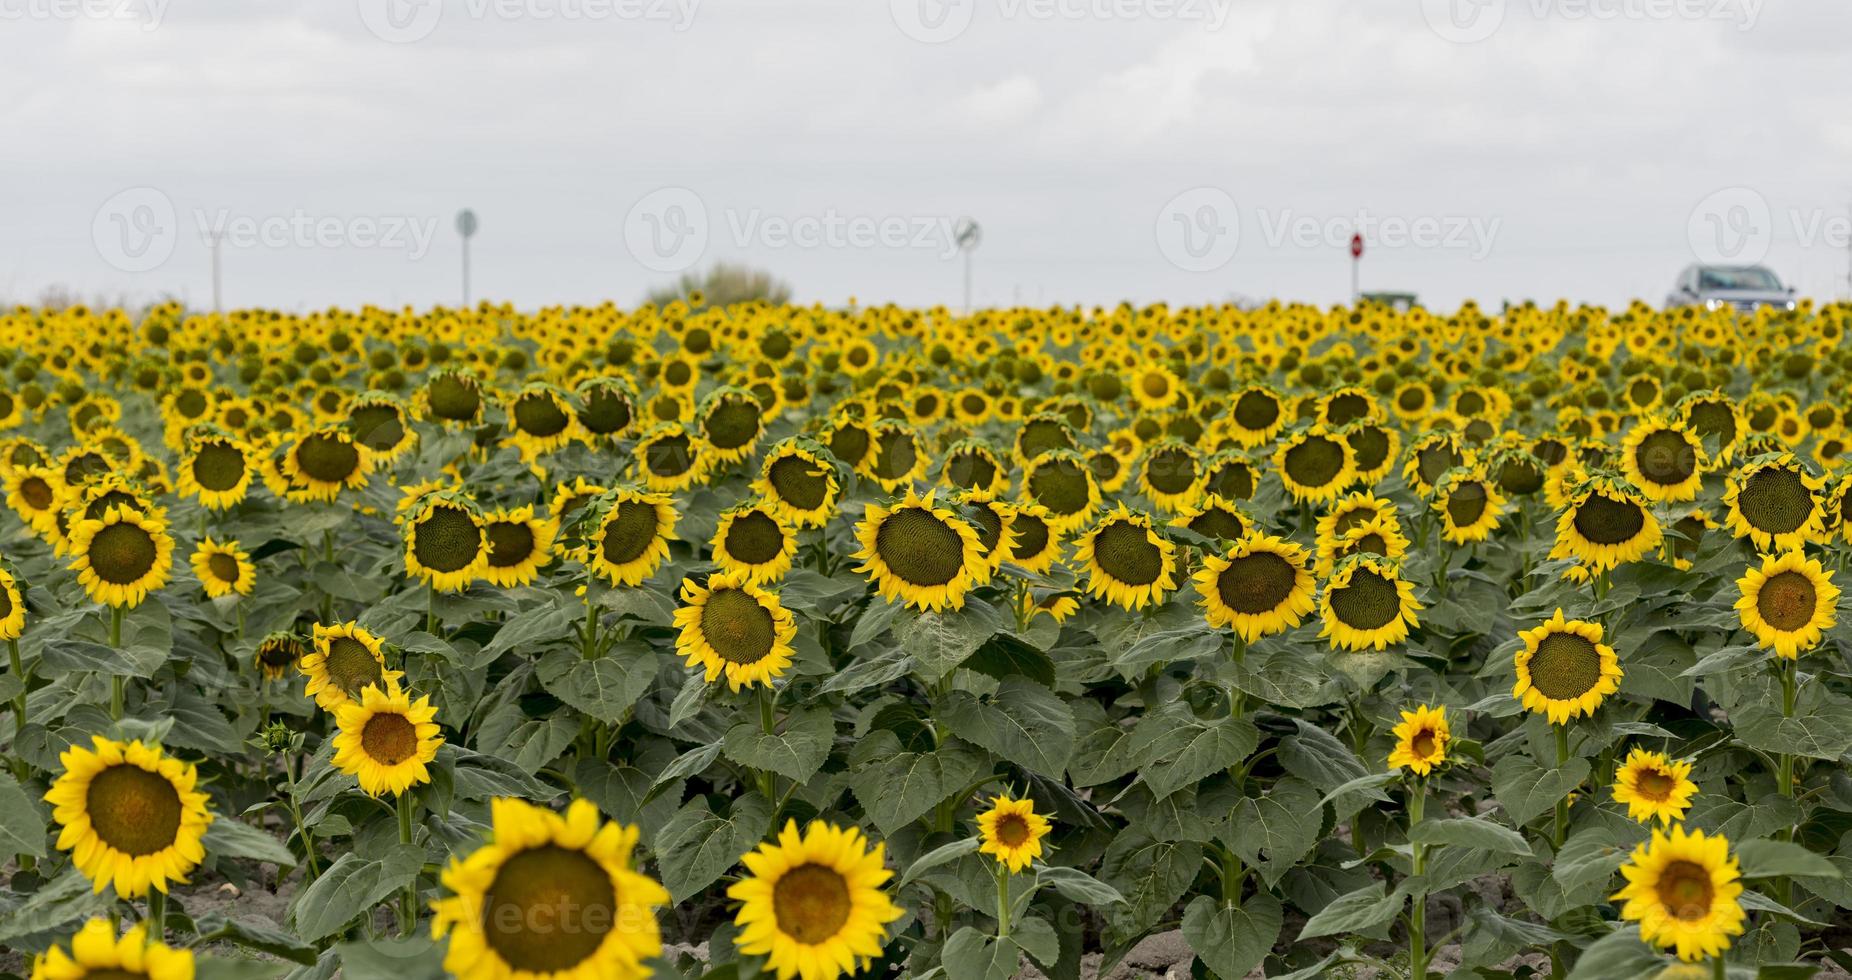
<point>1744,288</point>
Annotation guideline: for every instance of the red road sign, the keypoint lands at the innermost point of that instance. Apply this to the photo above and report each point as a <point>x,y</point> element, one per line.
<point>1356,246</point>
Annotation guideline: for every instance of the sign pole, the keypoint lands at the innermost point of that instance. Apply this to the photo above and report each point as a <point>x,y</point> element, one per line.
<point>1356,264</point>
<point>466,227</point>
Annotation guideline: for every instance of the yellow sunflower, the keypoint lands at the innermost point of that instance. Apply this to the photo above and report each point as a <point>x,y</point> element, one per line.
<point>96,953</point>
<point>451,396</point>
<point>1607,524</point>
<point>129,814</point>
<point>1170,475</point>
<point>1654,786</point>
<point>12,607</point>
<point>386,740</point>
<point>1421,740</point>
<point>1564,670</point>
<point>669,458</point>
<point>1376,536</point>
<point>1315,464</point>
<point>217,470</point>
<point>1788,603</point>
<point>346,660</point>
<point>34,493</point>
<point>446,544</point>
<point>970,464</point>
<point>121,556</point>
<point>550,896</point>
<point>1255,415</point>
<point>276,654</point>
<point>895,458</point>
<point>1128,563</point>
<point>1373,449</point>
<point>1775,503</point>
<point>1682,889</point>
<point>632,536</point>
<point>731,421</point>
<point>1431,456</point>
<point>519,543</point>
<point>223,568</point>
<point>731,626</point>
<point>319,465</point>
<point>797,484</point>
<point>1063,484</point>
<point>1367,604</point>
<point>1215,518</point>
<point>812,904</point>
<point>919,553</point>
<point>540,420</point>
<point>1665,460</point>
<point>1468,505</point>
<point>1260,587</point>
<point>751,541</point>
<point>1034,543</point>
<point>1012,832</point>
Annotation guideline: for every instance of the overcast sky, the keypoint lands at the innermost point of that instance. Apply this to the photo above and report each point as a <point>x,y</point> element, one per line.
<point>1181,150</point>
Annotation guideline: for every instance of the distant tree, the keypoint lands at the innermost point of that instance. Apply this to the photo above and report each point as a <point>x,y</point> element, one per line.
<point>724,285</point>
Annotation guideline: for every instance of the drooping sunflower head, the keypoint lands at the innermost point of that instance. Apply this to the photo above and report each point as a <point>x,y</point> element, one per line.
<point>1665,460</point>
<point>121,556</point>
<point>549,895</point>
<point>1683,891</point>
<point>1775,503</point>
<point>1564,670</point>
<point>1468,504</point>
<point>1367,604</point>
<point>323,462</point>
<point>751,541</point>
<point>540,419</point>
<point>1011,831</point>
<point>895,458</point>
<point>812,903</point>
<point>1128,563</point>
<point>1214,518</point>
<point>1170,474</point>
<point>217,469</point>
<point>276,653</point>
<point>1431,456</point>
<point>1262,586</point>
<point>12,607</point>
<point>1230,476</point>
<point>1315,464</point>
<point>632,531</point>
<point>1421,740</point>
<point>799,481</point>
<point>1373,448</point>
<point>519,542</point>
<point>346,660</point>
<point>732,628</point>
<point>380,423</point>
<point>223,568</point>
<point>607,406</point>
<point>972,465</point>
<point>670,458</point>
<point>1788,603</point>
<point>1654,786</point>
<point>386,740</point>
<point>920,553</point>
<point>1606,524</point>
<point>130,815</point>
<point>731,422</point>
<point>95,951</point>
<point>1063,483</point>
<point>446,544</point>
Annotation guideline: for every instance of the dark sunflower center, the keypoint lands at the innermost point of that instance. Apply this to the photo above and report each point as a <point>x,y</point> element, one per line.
<point>1412,399</point>
<point>447,539</point>
<point>671,455</point>
<point>1665,457</point>
<point>798,482</point>
<point>989,526</point>
<point>1219,524</point>
<point>1170,471</point>
<point>1604,520</point>
<point>389,739</point>
<point>539,414</point>
<point>849,443</point>
<point>630,532</point>
<point>223,567</point>
<point>1685,889</point>
<point>1256,583</point>
<point>895,454</point>
<point>811,903</point>
<point>1347,407</point>
<point>133,810</point>
<point>84,466</point>
<point>1370,445</point>
<point>1012,830</point>
<point>1787,601</point>
<point>1369,602</point>
<point>1315,462</point>
<point>377,426</point>
<point>1042,435</point>
<point>1424,743</point>
<point>736,626</point>
<point>1104,465</point>
<point>919,547</point>
<point>37,492</point>
<point>122,553</point>
<point>218,467</point>
<point>1233,481</point>
<point>548,909</point>
<point>277,654</point>
<point>1775,500</point>
<point>970,469</point>
<point>510,543</point>
<point>1520,476</point>
<point>114,498</point>
<point>1369,544</point>
<point>1031,536</point>
<point>1565,666</point>
<point>1433,462</point>
<point>1124,551</point>
<point>754,538</point>
<point>606,411</point>
<point>1710,419</point>
<point>1256,410</point>
<point>351,666</point>
<point>1655,785</point>
<point>1466,503</point>
<point>1061,486</point>
<point>326,458</point>
<point>1155,385</point>
<point>732,424</point>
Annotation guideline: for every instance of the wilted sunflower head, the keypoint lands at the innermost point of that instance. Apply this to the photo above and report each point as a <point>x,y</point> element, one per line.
<point>276,653</point>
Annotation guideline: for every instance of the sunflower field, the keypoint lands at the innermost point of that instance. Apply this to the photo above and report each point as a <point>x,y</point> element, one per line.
<point>806,642</point>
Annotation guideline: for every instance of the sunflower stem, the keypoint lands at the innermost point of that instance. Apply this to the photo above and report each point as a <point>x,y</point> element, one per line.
<point>1003,902</point>
<point>21,770</point>
<point>1718,970</point>
<point>408,903</point>
<point>1418,912</point>
<point>1789,696</point>
<point>1562,806</point>
<point>591,622</point>
<point>157,916</point>
<point>295,812</point>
